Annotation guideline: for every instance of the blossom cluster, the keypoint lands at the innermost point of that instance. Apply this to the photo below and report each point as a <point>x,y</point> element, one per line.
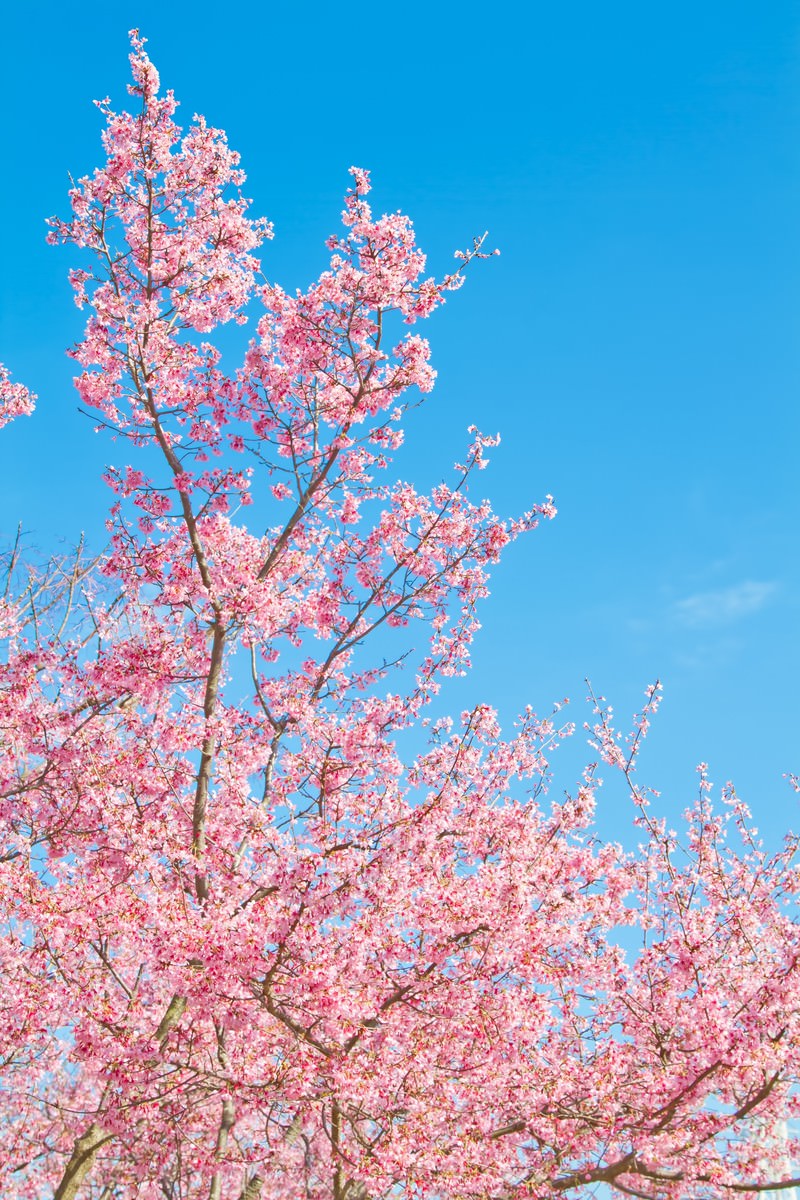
<point>271,926</point>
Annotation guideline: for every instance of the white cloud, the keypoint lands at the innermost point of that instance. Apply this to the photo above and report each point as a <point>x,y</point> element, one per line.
<point>723,607</point>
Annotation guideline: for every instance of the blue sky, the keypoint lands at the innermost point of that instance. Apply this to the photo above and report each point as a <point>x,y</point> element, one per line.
<point>636,343</point>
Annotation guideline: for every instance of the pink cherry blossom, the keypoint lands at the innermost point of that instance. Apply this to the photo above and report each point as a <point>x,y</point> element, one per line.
<point>273,926</point>
<point>15,399</point>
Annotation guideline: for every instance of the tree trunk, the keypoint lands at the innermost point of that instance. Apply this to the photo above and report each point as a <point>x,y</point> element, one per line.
<point>81,1161</point>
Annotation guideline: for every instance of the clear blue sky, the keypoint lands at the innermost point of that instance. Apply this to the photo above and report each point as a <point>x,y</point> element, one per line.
<point>636,344</point>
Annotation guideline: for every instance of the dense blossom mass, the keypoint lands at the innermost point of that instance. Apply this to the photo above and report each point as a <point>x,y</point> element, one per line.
<point>250,948</point>
<point>15,399</point>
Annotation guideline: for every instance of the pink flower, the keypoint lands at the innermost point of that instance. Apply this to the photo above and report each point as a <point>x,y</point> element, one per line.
<point>15,399</point>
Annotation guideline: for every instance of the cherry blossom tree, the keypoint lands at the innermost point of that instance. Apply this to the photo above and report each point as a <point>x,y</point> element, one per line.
<point>252,946</point>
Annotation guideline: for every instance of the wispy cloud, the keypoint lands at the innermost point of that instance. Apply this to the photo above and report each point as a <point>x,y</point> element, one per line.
<point>723,607</point>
